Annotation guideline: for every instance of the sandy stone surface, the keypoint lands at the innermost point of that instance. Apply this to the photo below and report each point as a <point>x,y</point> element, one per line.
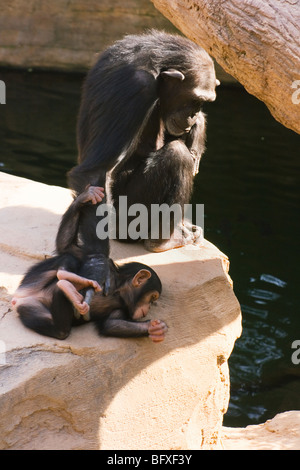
<point>280,433</point>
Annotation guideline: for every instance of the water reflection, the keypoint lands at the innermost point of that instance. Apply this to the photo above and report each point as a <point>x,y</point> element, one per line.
<point>249,183</point>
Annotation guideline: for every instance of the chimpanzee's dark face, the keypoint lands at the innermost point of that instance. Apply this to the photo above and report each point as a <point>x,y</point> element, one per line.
<point>143,306</point>
<point>182,97</point>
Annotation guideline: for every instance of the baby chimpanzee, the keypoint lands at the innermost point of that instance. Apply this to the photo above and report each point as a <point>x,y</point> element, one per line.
<point>53,294</point>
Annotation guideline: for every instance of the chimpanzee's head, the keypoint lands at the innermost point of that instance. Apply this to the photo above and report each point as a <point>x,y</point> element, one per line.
<point>141,287</point>
<point>184,90</point>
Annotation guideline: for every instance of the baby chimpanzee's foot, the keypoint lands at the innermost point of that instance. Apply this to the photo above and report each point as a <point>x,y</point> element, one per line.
<point>76,299</point>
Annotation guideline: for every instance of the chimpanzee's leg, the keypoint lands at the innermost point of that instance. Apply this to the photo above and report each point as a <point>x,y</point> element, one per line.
<point>164,177</point>
<point>78,180</point>
<point>87,231</point>
<point>55,322</point>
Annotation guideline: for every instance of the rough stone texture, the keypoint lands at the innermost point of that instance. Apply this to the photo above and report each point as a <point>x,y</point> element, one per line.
<point>91,392</point>
<point>256,42</point>
<point>279,433</point>
<point>67,34</point>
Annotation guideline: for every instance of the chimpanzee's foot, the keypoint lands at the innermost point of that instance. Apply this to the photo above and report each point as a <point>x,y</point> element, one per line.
<point>185,234</point>
<point>193,232</point>
<point>78,282</point>
<point>76,299</point>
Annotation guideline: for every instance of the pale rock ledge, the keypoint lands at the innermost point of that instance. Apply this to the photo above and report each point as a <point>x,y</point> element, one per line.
<point>91,392</point>
<point>280,433</point>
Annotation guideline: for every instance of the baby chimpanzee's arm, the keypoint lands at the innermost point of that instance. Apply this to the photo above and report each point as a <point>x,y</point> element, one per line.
<point>117,325</point>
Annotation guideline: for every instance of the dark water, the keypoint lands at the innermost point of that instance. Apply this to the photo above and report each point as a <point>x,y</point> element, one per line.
<point>249,183</point>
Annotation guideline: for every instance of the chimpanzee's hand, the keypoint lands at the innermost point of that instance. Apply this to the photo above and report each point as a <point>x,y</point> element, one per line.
<point>157,330</point>
<point>93,194</point>
<point>94,285</point>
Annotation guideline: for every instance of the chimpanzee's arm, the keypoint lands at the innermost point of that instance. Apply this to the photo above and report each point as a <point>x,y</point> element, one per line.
<point>68,230</point>
<point>117,325</point>
<point>195,141</point>
<point>115,101</point>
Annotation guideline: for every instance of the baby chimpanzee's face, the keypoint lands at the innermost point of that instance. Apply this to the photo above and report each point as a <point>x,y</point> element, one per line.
<point>144,304</point>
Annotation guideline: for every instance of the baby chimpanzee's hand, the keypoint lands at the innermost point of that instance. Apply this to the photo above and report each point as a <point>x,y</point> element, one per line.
<point>157,330</point>
<point>93,194</point>
<point>94,285</point>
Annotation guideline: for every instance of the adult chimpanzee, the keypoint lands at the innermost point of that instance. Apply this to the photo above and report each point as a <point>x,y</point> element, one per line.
<point>141,117</point>
<point>53,294</point>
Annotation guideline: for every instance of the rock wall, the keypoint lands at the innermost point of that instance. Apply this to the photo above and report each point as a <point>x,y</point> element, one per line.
<point>91,392</point>
<point>68,35</point>
<point>256,42</point>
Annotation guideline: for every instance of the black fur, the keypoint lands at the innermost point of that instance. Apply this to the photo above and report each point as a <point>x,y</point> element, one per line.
<point>43,307</point>
<point>120,92</point>
<point>137,118</point>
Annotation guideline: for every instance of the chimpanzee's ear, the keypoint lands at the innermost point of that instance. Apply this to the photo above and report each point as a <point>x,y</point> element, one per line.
<point>173,73</point>
<point>141,277</point>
